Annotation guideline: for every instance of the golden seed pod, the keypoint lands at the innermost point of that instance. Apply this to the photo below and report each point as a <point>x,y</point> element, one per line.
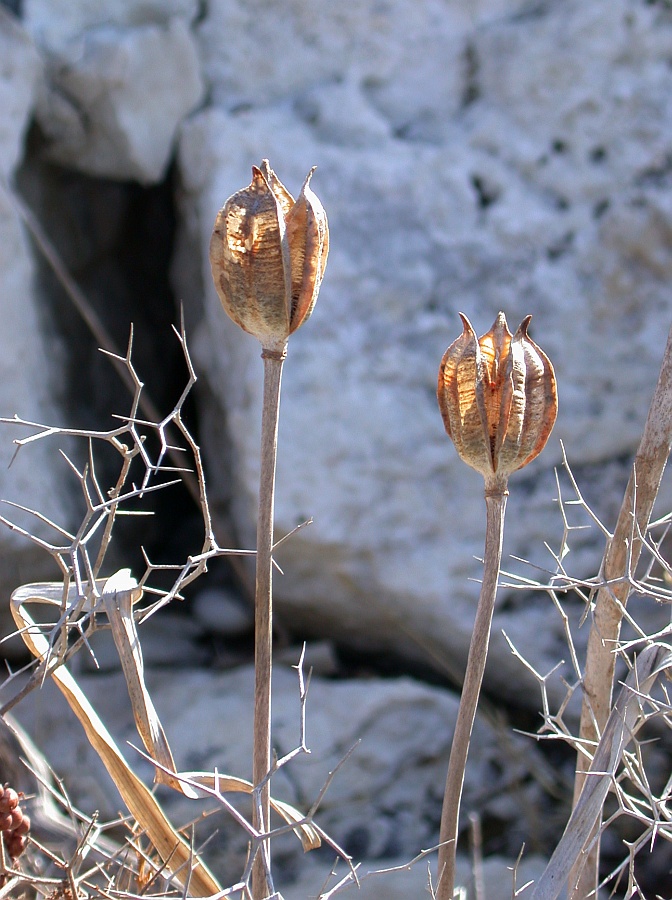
<point>498,398</point>
<point>268,253</point>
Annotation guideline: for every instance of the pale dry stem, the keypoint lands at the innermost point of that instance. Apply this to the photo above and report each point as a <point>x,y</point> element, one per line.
<point>619,564</point>
<point>478,649</point>
<point>262,883</point>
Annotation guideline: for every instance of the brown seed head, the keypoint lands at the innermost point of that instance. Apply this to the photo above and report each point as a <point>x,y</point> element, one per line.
<point>9,799</point>
<point>15,844</point>
<point>268,253</point>
<point>498,399</point>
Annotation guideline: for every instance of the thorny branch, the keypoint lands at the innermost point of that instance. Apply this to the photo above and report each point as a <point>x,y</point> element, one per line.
<point>80,555</point>
<point>81,603</point>
<point>630,786</point>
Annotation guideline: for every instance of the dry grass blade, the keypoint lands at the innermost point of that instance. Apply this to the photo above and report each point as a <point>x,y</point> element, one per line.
<point>619,729</point>
<point>119,595</point>
<point>171,846</point>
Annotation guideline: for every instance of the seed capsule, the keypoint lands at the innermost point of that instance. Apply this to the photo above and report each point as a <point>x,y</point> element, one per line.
<point>15,844</point>
<point>268,253</point>
<point>9,799</point>
<point>498,399</point>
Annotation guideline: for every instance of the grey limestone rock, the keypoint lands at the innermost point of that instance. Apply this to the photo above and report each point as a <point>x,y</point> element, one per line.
<point>531,174</point>
<point>115,89</point>
<point>30,361</point>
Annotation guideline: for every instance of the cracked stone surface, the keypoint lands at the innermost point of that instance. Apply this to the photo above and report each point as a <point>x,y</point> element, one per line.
<point>512,156</point>
<point>531,174</point>
<point>30,373</point>
<point>116,85</point>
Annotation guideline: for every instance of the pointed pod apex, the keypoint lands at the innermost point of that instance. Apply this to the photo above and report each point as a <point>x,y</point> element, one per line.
<point>499,332</point>
<point>524,325</point>
<point>268,253</point>
<point>498,398</point>
<point>466,325</point>
<point>306,182</point>
<point>266,173</point>
<point>260,181</point>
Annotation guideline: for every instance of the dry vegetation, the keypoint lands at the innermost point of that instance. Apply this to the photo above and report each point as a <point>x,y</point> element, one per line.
<point>143,853</point>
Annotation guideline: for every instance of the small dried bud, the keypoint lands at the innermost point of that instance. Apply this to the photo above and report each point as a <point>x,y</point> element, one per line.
<point>15,844</point>
<point>268,254</point>
<point>23,827</point>
<point>14,823</point>
<point>498,399</point>
<point>9,799</point>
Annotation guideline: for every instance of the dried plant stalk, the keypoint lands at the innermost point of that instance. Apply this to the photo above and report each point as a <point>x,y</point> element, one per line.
<point>119,595</point>
<point>263,615</point>
<point>498,400</point>
<point>620,560</point>
<point>620,728</point>
<point>478,651</point>
<point>267,254</point>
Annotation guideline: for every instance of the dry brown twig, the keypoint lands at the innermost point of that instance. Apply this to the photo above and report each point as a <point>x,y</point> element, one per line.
<point>621,727</point>
<point>84,600</point>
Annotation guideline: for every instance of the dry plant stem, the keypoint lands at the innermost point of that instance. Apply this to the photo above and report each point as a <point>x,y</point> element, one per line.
<point>263,616</point>
<point>495,505</point>
<point>620,561</point>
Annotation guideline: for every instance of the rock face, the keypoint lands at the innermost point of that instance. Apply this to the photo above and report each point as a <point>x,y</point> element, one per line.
<point>59,22</point>
<point>118,81</point>
<point>530,174</point>
<point>20,71</point>
<point>29,362</point>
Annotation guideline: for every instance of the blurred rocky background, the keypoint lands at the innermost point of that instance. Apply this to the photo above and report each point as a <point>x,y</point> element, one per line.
<point>496,154</point>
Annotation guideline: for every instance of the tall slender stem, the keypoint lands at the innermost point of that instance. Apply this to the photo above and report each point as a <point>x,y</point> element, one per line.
<point>263,616</point>
<point>495,505</point>
<point>620,561</point>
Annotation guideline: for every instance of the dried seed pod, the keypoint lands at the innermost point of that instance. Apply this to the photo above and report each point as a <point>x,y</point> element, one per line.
<point>498,399</point>
<point>23,826</point>
<point>9,799</point>
<point>15,844</point>
<point>14,823</point>
<point>268,254</point>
